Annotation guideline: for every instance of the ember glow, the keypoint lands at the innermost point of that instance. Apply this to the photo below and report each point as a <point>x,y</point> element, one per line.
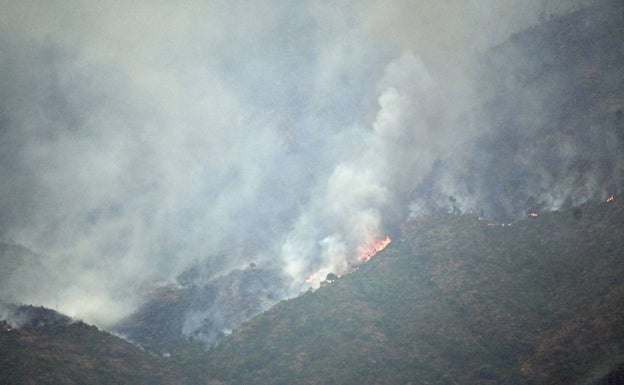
<point>315,276</point>
<point>178,152</point>
<point>377,247</point>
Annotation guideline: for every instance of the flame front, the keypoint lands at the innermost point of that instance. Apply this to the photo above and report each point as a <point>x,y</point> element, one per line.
<point>364,257</point>
<point>315,276</point>
<point>377,247</point>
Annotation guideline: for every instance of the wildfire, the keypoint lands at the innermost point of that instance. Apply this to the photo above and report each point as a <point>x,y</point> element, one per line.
<point>533,214</point>
<point>315,276</point>
<point>377,247</point>
<point>364,257</point>
<point>611,198</point>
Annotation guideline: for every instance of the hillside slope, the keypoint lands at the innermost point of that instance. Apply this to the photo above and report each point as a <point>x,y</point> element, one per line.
<point>458,302</point>
<point>552,130</point>
<point>455,301</point>
<point>50,349</point>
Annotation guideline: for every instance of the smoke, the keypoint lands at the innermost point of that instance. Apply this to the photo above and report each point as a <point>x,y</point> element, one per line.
<point>453,29</point>
<point>552,130</point>
<point>140,140</point>
<point>30,317</point>
<point>365,193</point>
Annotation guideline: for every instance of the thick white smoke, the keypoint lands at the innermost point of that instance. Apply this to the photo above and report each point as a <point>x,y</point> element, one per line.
<point>424,98</point>
<point>139,139</point>
<point>366,191</point>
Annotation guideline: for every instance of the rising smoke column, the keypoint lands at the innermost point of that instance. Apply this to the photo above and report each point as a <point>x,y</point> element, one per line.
<point>141,140</point>
<point>138,140</point>
<point>430,131</point>
<point>367,191</point>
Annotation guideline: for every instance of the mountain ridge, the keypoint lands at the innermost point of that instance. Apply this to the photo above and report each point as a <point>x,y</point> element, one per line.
<point>471,317</point>
<point>453,300</point>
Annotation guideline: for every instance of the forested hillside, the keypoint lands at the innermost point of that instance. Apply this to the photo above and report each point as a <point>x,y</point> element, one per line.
<point>457,301</point>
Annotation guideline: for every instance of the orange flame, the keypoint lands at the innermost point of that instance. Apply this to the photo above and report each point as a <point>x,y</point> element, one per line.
<point>315,276</point>
<point>364,257</point>
<point>377,247</point>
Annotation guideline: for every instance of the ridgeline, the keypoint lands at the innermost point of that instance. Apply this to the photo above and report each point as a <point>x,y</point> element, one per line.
<point>454,301</point>
<point>458,301</point>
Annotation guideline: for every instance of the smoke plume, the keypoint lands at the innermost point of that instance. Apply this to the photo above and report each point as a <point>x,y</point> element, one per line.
<point>142,139</point>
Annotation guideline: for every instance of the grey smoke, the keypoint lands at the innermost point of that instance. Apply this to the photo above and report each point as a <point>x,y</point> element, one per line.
<point>139,140</point>
<point>553,138</point>
<point>30,317</point>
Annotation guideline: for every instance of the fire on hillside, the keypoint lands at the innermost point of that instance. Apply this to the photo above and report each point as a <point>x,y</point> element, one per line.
<point>377,247</point>
<point>362,257</point>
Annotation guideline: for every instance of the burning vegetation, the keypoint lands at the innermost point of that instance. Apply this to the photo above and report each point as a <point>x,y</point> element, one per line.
<point>362,257</point>
<point>377,247</point>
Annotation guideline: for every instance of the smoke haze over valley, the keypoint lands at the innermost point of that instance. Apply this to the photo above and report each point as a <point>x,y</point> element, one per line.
<point>146,143</point>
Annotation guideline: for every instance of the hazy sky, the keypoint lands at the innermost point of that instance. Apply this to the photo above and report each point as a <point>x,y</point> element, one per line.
<point>138,138</point>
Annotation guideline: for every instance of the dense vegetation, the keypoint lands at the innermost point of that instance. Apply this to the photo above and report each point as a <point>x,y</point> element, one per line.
<point>77,353</point>
<point>458,301</point>
<point>452,300</point>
